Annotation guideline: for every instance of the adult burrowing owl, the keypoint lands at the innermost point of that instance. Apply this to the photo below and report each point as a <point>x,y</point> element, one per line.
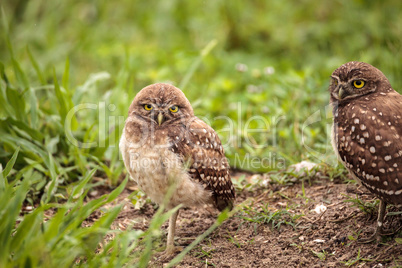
<point>367,131</point>
<point>164,145</point>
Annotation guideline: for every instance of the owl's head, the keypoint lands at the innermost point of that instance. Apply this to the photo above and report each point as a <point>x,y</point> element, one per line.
<point>161,104</point>
<point>355,79</point>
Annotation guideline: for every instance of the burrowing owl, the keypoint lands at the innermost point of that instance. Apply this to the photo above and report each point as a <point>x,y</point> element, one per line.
<point>164,145</point>
<point>367,131</point>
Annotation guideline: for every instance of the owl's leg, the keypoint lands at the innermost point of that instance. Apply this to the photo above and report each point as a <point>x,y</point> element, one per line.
<point>380,218</point>
<point>170,248</point>
<point>380,221</point>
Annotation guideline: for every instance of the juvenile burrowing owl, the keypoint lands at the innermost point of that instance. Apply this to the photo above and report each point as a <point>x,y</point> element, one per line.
<point>165,146</point>
<point>367,131</point>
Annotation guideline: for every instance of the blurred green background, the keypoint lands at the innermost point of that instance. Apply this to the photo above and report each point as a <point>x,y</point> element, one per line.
<point>265,65</point>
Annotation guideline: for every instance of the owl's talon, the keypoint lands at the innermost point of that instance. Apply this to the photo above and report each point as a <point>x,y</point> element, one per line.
<point>169,253</point>
<point>373,238</point>
<point>376,237</point>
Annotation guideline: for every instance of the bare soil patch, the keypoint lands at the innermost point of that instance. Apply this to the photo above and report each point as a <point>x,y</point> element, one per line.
<point>310,239</point>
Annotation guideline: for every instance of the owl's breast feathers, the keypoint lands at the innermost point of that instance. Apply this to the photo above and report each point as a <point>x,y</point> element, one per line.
<point>202,153</point>
<point>368,137</point>
<point>189,152</point>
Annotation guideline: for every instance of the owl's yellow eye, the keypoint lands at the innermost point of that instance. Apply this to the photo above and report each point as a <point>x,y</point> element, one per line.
<point>358,83</point>
<point>174,109</point>
<point>148,107</point>
<point>335,82</point>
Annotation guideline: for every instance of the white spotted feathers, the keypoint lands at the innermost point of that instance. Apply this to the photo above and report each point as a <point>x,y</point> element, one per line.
<point>367,129</point>
<point>199,145</point>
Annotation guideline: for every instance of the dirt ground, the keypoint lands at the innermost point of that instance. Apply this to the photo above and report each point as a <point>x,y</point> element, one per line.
<point>316,239</point>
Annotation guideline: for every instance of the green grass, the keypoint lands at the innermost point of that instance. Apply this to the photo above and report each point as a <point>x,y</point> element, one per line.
<point>33,239</point>
<point>36,239</point>
<point>264,215</point>
<point>256,71</point>
<point>370,207</point>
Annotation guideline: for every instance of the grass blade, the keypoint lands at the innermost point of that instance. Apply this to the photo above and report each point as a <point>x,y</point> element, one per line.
<point>10,163</point>
<point>116,192</point>
<point>26,229</point>
<point>79,188</point>
<point>66,74</point>
<point>36,67</point>
<point>208,48</point>
<point>52,186</point>
<point>9,214</point>
<point>17,103</point>
<point>21,76</point>
<point>60,95</point>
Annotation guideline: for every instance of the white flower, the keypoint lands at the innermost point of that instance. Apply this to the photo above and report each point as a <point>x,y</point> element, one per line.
<point>269,70</point>
<point>241,67</point>
<point>320,208</point>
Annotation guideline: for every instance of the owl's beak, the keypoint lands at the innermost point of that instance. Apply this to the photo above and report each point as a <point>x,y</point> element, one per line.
<point>341,93</point>
<point>160,118</point>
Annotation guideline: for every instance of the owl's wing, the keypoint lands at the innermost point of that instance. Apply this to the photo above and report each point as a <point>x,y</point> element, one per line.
<point>201,151</point>
<point>370,144</point>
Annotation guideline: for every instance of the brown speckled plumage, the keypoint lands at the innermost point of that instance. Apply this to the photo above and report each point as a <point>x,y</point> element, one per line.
<point>367,129</point>
<point>198,144</point>
<point>179,150</point>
